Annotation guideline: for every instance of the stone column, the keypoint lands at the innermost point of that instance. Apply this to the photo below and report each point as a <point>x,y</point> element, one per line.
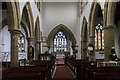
<point>91,40</point>
<point>84,49</point>
<point>108,40</point>
<point>14,48</point>
<point>37,50</point>
<point>29,41</point>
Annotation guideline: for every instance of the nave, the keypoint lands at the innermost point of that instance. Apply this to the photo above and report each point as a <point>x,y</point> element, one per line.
<point>42,40</point>
<point>63,73</point>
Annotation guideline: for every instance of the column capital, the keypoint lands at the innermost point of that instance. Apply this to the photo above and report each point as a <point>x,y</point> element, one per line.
<point>30,38</point>
<point>109,27</point>
<point>17,31</point>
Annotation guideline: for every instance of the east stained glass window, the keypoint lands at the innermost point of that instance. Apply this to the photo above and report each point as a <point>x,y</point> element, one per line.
<point>60,42</point>
<point>21,43</point>
<point>99,37</point>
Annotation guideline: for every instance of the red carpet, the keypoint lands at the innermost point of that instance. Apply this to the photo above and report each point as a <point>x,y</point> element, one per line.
<point>63,73</point>
<point>60,62</point>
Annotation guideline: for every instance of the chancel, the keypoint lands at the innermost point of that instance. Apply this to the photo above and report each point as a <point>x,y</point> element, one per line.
<point>60,39</point>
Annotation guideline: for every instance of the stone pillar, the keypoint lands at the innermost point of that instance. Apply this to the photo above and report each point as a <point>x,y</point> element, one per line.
<point>108,40</point>
<point>29,41</point>
<point>84,49</point>
<point>37,50</point>
<point>14,48</point>
<point>91,40</point>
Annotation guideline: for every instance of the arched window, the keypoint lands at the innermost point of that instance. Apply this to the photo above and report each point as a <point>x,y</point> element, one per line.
<point>99,37</point>
<point>21,43</point>
<point>60,42</point>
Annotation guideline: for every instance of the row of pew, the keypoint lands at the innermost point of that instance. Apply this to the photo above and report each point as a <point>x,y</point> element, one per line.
<point>37,70</point>
<point>88,70</point>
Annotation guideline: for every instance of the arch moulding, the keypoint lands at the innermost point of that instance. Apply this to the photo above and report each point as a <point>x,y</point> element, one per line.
<point>65,30</point>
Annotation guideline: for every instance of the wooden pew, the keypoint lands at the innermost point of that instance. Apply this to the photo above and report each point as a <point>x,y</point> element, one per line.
<point>106,76</point>
<point>49,64</point>
<point>21,72</point>
<point>22,76</point>
<point>41,70</point>
<point>78,67</point>
<point>92,71</point>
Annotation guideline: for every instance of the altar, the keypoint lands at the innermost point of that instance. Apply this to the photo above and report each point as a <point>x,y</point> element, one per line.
<point>60,58</point>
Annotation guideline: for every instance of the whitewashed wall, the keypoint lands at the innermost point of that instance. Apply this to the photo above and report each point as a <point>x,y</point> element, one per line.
<point>6,43</point>
<point>55,13</point>
<point>6,40</point>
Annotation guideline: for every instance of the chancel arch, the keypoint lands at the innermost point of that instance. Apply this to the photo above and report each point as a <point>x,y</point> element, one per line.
<point>61,29</point>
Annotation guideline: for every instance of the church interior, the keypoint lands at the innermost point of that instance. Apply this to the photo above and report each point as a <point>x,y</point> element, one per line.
<point>59,40</point>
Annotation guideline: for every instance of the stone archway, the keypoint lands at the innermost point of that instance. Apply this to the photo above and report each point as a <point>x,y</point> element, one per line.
<point>66,31</point>
<point>13,27</point>
<point>37,39</point>
<point>37,29</point>
<point>93,18</point>
<point>109,22</point>
<point>84,37</point>
<point>25,28</point>
<point>110,27</point>
<point>27,13</point>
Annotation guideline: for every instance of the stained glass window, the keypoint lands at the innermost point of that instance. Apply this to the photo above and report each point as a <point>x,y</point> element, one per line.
<point>99,37</point>
<point>21,43</point>
<point>60,42</point>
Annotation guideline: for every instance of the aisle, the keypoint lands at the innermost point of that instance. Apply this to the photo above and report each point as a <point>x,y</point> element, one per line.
<point>63,73</point>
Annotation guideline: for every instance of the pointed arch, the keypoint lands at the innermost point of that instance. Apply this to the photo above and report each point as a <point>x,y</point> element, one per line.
<point>13,21</point>
<point>111,13</point>
<point>84,34</point>
<point>37,29</point>
<point>18,13</point>
<point>65,30</point>
<point>112,18</point>
<point>30,22</point>
<point>94,15</point>
<point>84,29</point>
<point>105,14</point>
<point>37,38</point>
<point>25,27</point>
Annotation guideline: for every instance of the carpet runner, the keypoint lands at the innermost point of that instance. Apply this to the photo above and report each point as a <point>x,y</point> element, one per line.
<point>63,73</point>
<point>60,62</point>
